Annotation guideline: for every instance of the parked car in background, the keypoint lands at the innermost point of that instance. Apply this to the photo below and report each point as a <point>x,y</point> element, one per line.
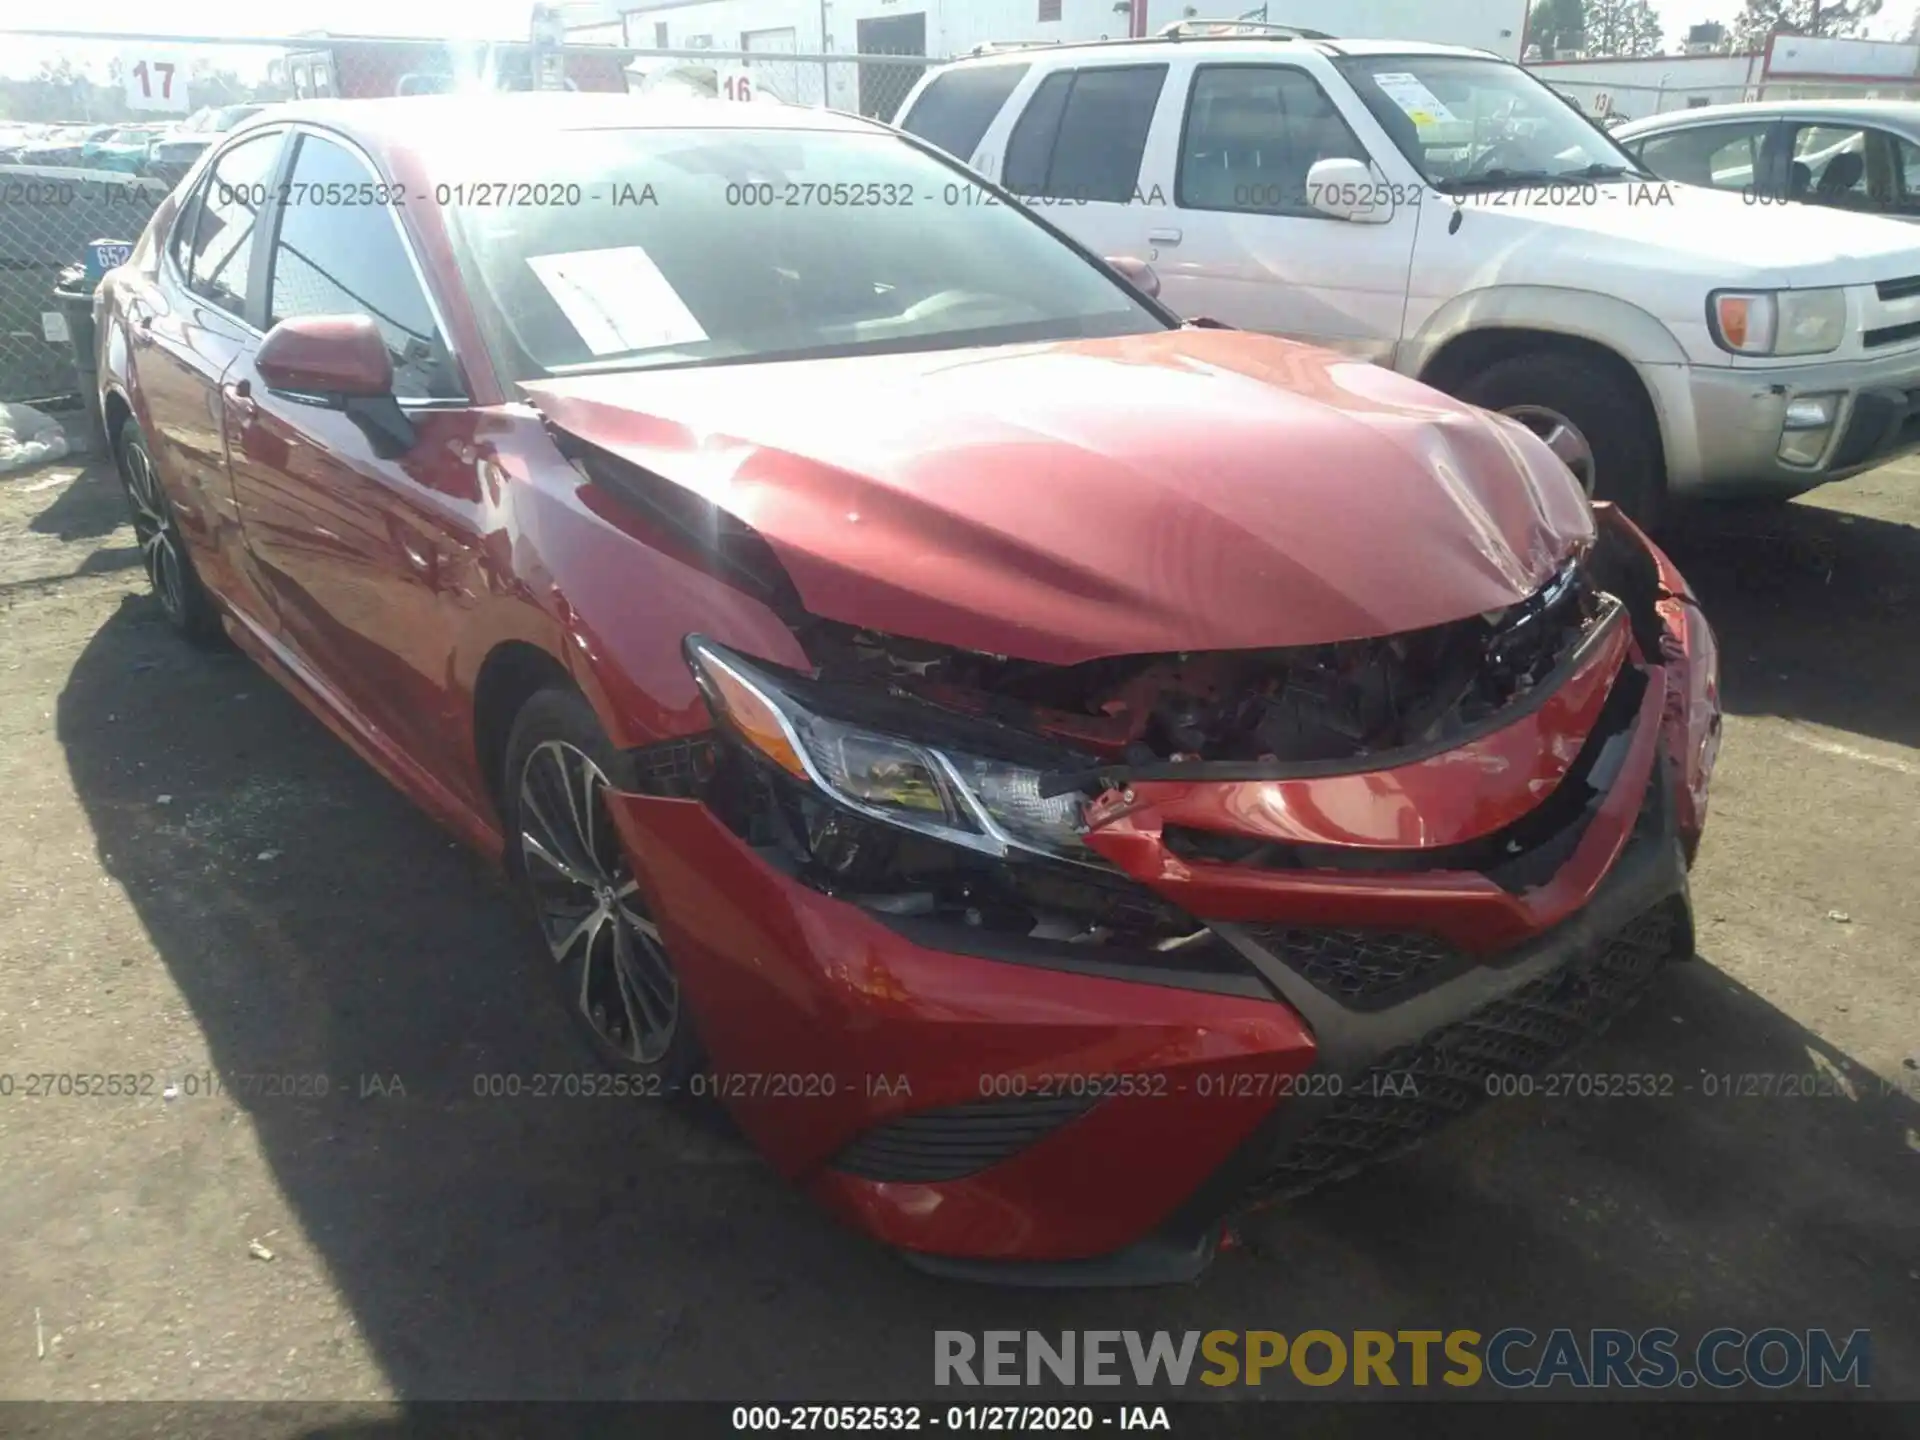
<point>173,153</point>
<point>63,144</point>
<point>902,665</point>
<point>1443,212</point>
<point>1861,155</point>
<point>124,148</point>
<point>13,137</point>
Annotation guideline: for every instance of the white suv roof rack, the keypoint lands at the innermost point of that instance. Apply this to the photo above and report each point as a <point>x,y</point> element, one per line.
<point>996,47</point>
<point>1210,29</point>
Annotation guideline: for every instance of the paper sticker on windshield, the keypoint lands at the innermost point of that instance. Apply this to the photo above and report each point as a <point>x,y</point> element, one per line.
<point>617,299</point>
<point>1422,106</point>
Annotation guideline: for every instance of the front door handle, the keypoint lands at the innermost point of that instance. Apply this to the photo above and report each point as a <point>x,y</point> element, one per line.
<point>1164,237</point>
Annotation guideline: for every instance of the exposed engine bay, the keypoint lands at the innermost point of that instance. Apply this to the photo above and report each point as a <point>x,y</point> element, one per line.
<point>1323,703</point>
<point>1351,702</point>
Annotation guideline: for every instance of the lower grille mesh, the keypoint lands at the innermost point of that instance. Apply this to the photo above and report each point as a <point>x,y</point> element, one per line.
<point>1412,1091</point>
<point>1365,969</point>
<point>936,1145</point>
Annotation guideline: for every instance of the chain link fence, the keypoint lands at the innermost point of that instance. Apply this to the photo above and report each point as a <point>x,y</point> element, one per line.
<point>48,216</point>
<point>96,128</point>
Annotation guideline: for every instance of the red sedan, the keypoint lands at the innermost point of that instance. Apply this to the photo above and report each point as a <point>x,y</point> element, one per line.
<point>1056,774</point>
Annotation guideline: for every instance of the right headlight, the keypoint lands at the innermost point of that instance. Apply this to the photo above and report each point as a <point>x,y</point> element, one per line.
<point>1778,322</point>
<point>950,793</point>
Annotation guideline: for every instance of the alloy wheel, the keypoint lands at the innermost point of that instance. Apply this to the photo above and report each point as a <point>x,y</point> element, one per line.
<point>153,527</point>
<point>1562,436</point>
<point>589,904</point>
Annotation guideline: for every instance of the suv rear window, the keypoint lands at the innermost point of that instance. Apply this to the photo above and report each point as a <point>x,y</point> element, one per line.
<point>956,108</point>
<point>1083,133</point>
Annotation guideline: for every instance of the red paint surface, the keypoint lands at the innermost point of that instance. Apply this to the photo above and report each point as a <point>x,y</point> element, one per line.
<point>789,982</point>
<point>1188,490</point>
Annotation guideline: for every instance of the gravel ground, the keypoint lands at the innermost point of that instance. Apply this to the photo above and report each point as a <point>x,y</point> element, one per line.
<point>199,879</point>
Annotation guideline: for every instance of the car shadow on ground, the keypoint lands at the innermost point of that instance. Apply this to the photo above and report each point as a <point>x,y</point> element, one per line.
<point>92,507</point>
<point>589,1248</point>
<point>1817,610</point>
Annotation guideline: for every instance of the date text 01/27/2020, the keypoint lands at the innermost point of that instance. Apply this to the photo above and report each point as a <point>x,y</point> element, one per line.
<point>997,1418</point>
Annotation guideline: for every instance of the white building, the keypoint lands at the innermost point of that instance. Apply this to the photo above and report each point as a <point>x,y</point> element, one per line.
<point>1792,67</point>
<point>942,29</point>
<point>947,28</point>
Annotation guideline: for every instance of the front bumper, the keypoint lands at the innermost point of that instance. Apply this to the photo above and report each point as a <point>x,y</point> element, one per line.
<point>1722,426</point>
<point>1022,1113</point>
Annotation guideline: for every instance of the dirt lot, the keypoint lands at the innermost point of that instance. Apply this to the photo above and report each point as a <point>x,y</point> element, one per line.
<point>199,879</point>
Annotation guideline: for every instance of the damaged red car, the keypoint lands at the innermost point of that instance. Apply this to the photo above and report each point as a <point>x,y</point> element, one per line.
<point>1058,775</point>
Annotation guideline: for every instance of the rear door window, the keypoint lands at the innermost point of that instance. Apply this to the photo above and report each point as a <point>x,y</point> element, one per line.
<point>1083,134</point>
<point>956,108</point>
<point>1832,166</point>
<point>218,258</point>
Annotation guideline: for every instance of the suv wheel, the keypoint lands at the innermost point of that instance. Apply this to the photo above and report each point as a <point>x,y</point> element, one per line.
<point>1588,418</point>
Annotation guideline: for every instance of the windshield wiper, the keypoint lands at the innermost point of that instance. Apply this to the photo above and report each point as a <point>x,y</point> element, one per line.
<point>1494,179</point>
<point>1606,172</point>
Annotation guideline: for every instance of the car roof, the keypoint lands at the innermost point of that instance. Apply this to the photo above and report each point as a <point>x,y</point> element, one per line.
<point>1237,47</point>
<point>1865,112</point>
<point>420,122</point>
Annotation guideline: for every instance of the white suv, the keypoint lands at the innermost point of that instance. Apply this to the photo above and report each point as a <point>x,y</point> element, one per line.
<point>1441,211</point>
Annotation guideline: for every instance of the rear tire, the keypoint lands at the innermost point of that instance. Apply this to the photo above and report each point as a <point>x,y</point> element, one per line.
<point>572,870</point>
<point>1577,406</point>
<point>188,608</point>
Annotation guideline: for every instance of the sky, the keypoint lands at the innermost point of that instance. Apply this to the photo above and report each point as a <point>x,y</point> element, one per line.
<point>507,19</point>
<point>1677,15</point>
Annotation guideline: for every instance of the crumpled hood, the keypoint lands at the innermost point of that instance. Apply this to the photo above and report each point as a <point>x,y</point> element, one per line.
<point>1181,490</point>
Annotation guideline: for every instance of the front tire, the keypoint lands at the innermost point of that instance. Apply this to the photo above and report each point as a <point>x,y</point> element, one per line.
<point>606,951</point>
<point>1589,418</point>
<point>184,601</point>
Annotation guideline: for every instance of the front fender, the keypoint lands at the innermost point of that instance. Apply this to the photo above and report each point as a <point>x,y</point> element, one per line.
<point>1632,333</point>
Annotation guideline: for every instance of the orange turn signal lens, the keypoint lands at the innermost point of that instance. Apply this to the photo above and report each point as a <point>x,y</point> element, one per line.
<point>753,716</point>
<point>1733,313</point>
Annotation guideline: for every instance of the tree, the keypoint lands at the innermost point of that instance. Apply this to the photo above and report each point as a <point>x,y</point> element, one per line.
<point>1556,25</point>
<point>1623,27</point>
<point>1762,18</point>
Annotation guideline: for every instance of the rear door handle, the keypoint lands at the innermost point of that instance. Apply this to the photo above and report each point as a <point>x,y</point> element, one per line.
<point>1164,237</point>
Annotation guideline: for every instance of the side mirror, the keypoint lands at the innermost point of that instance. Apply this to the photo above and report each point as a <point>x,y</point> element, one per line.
<point>1348,190</point>
<point>1138,273</point>
<point>327,357</point>
<point>339,362</point>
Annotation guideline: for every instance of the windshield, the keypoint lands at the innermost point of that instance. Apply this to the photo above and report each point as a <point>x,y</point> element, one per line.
<point>626,249</point>
<point>1467,123</point>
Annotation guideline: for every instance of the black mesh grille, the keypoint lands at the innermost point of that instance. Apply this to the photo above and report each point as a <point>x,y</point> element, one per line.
<point>1365,969</point>
<point>939,1145</point>
<point>1412,1091</point>
<point>674,769</point>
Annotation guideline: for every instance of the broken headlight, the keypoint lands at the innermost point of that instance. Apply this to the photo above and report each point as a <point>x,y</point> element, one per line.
<point>975,800</point>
